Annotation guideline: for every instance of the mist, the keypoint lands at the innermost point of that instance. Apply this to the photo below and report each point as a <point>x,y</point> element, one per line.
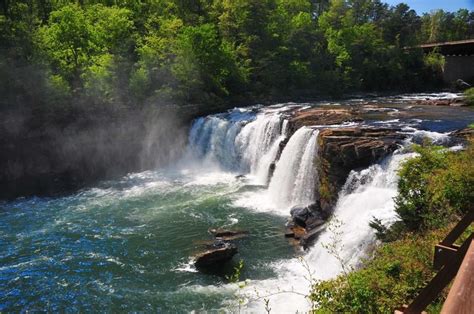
<point>50,158</point>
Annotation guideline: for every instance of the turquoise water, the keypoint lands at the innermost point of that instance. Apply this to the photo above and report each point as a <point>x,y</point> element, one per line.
<point>126,245</point>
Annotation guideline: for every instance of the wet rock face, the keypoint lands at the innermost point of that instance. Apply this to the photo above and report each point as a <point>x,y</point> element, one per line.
<point>463,135</point>
<point>344,149</point>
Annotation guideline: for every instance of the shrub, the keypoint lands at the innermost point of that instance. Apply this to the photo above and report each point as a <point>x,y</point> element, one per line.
<point>469,96</point>
<point>434,187</point>
<point>393,277</point>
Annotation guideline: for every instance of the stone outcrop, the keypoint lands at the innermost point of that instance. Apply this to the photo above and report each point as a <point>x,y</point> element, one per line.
<point>219,253</point>
<point>453,102</point>
<point>323,116</point>
<point>464,134</point>
<point>221,249</point>
<point>306,224</point>
<point>344,149</point>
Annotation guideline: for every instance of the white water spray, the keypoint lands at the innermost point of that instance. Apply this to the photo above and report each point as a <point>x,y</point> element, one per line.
<point>367,194</point>
<point>294,180</point>
<point>239,142</point>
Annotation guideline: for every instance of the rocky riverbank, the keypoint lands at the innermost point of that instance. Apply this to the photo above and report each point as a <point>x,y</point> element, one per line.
<point>348,140</point>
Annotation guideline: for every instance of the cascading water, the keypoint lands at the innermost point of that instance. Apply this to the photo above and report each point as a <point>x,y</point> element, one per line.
<point>259,141</point>
<point>367,194</point>
<point>295,177</point>
<point>240,142</point>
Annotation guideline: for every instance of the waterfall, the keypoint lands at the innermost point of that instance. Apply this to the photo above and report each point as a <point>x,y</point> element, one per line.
<point>259,141</point>
<point>212,138</point>
<point>239,141</point>
<point>294,180</point>
<point>366,194</point>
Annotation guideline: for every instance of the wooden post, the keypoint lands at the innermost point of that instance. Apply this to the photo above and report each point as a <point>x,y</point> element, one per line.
<point>449,258</point>
<point>462,225</point>
<point>439,282</point>
<point>460,299</point>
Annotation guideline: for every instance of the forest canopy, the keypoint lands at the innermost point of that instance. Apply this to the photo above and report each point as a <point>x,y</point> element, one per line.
<point>68,56</point>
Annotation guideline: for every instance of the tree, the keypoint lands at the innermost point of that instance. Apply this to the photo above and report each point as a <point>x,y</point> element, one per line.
<point>82,45</point>
<point>401,26</point>
<point>205,65</point>
<point>68,42</point>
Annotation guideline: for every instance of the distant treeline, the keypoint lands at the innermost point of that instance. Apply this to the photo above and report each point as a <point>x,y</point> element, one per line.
<point>134,52</point>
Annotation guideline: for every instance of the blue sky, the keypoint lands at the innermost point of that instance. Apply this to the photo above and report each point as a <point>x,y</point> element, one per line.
<point>421,6</point>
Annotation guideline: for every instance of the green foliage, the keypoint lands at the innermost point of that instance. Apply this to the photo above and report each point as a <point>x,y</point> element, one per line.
<point>204,63</point>
<point>435,62</point>
<point>392,277</point>
<point>79,44</point>
<point>235,276</point>
<point>216,52</point>
<point>98,77</point>
<point>67,42</point>
<point>434,187</point>
<point>439,26</point>
<point>366,40</point>
<point>469,96</point>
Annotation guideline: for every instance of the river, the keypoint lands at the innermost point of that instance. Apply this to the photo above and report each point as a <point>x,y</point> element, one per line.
<point>127,244</point>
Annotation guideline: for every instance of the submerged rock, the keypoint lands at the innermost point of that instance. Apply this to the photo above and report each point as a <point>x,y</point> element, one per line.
<point>228,235</point>
<point>453,102</point>
<point>220,253</point>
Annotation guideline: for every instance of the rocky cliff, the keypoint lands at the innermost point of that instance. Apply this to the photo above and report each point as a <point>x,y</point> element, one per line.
<point>344,148</point>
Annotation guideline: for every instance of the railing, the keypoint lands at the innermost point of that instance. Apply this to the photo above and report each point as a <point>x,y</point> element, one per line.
<point>448,259</point>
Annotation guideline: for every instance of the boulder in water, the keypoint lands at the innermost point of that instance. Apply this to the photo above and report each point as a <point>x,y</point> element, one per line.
<point>308,217</point>
<point>310,236</point>
<point>295,231</point>
<point>306,224</point>
<point>299,215</point>
<point>313,222</point>
<point>220,253</point>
